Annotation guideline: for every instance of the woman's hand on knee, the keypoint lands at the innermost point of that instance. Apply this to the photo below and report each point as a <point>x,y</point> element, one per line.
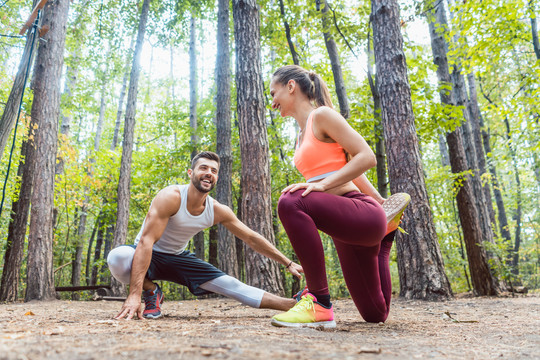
<point>308,186</point>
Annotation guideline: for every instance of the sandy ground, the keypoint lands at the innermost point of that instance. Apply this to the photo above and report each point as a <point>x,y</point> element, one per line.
<point>471,328</point>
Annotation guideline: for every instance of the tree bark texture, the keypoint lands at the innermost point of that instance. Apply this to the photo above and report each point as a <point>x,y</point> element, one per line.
<point>333,54</point>
<point>45,107</point>
<point>443,150</point>
<point>76,261</point>
<point>89,251</point>
<point>14,254</point>
<point>501,211</point>
<point>420,263</point>
<point>11,108</point>
<point>460,99</point>
<point>97,251</point>
<point>474,116</point>
<point>256,205</point>
<point>518,213</point>
<point>483,283</point>
<point>227,259</point>
<point>212,246</point>
<point>124,183</point>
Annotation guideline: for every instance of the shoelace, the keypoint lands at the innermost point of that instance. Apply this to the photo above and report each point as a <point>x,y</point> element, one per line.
<point>150,301</point>
<point>305,304</point>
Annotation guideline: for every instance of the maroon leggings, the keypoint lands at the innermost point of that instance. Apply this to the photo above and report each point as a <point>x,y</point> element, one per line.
<point>357,224</point>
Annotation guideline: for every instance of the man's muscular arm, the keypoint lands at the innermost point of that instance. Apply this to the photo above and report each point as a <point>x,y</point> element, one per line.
<point>224,215</point>
<point>165,204</point>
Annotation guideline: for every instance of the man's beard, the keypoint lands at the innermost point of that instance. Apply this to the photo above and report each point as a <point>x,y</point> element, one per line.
<point>198,186</point>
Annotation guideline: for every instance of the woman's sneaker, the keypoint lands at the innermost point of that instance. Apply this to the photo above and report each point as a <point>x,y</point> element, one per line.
<point>152,303</point>
<point>306,313</point>
<point>394,207</point>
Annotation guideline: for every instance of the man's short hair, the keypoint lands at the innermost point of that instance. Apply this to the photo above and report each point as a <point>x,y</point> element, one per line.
<point>210,155</point>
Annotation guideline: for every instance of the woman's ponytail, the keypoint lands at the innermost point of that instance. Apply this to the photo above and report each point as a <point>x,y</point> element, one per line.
<point>310,83</point>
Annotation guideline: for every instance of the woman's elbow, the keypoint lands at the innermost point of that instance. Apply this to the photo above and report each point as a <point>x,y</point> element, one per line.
<point>370,160</point>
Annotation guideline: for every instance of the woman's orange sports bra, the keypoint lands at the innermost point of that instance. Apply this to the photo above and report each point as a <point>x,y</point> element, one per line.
<point>316,159</point>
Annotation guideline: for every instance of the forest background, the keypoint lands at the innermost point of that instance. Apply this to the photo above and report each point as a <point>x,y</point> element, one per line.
<point>172,107</point>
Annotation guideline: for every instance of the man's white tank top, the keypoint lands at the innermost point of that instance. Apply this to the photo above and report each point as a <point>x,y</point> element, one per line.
<point>182,226</point>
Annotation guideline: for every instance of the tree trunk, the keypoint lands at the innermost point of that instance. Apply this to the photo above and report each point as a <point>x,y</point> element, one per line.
<point>228,261</point>
<point>534,30</point>
<point>198,239</point>
<point>213,246</point>
<point>333,54</point>
<point>102,107</point>
<point>109,233</point>
<point>380,152</point>
<point>420,264</point>
<point>294,54</point>
<point>120,110</point>
<point>71,81</point>
<point>483,283</point>
<point>122,214</point>
<point>474,114</point>
<point>11,108</point>
<point>256,190</point>
<point>46,106</point>
<point>89,251</point>
<point>460,99</point>
<point>518,213</point>
<point>503,220</point>
<point>76,261</point>
<point>443,150</point>
<point>97,251</point>
<point>13,256</point>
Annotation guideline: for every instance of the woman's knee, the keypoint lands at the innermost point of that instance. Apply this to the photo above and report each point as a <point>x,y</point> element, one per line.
<point>288,203</point>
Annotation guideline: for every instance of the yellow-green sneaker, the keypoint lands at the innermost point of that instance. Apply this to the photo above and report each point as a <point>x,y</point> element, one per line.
<point>394,207</point>
<point>306,313</point>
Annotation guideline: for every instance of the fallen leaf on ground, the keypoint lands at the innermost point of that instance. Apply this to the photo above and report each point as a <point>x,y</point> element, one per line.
<point>29,313</point>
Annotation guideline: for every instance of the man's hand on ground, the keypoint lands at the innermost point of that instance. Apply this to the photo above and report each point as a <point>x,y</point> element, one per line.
<point>131,307</point>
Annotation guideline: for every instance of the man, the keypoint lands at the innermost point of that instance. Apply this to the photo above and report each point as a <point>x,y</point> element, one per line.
<point>176,214</point>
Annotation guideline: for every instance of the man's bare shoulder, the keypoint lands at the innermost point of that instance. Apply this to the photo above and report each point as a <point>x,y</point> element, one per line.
<point>222,212</point>
<point>167,201</point>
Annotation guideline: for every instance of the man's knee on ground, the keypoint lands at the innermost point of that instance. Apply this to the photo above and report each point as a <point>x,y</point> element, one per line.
<point>119,261</point>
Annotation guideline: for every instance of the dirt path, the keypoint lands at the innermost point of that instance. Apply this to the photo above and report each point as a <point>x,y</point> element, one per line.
<point>222,329</point>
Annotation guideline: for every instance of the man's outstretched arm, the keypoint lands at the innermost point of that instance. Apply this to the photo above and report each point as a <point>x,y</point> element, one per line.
<point>225,216</point>
<point>164,205</point>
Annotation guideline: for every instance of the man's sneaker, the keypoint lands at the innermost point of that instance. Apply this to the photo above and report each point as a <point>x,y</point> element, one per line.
<point>306,313</point>
<point>298,295</point>
<point>152,303</point>
<point>394,207</point>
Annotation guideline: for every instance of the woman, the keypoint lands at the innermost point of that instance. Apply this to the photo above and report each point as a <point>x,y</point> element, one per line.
<point>330,201</point>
